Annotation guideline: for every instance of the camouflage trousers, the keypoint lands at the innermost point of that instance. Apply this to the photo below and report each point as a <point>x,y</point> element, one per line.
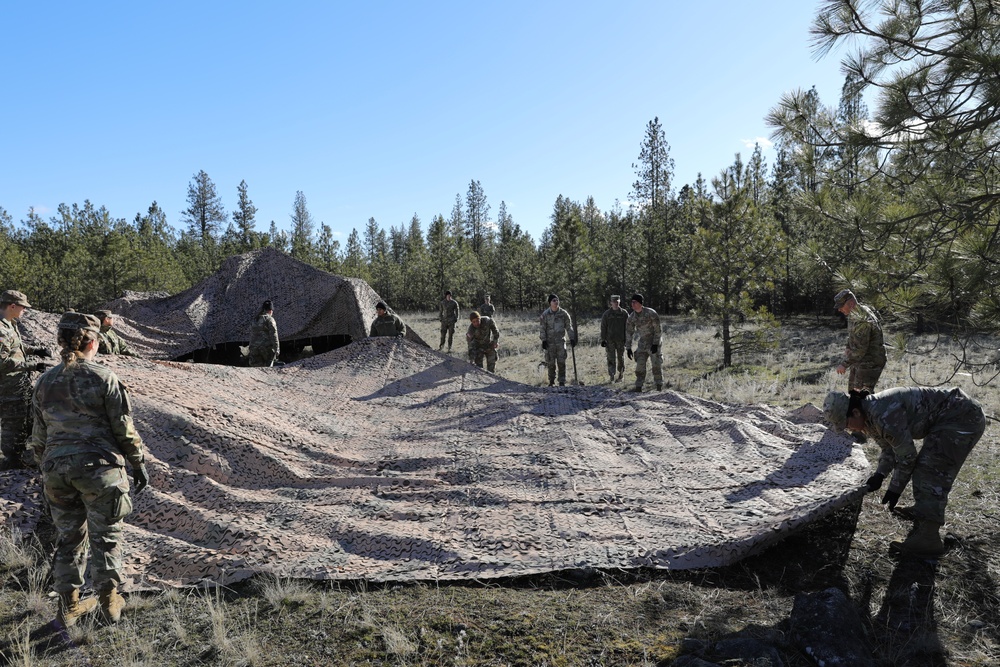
<point>864,377</point>
<point>447,330</point>
<point>477,354</point>
<point>656,361</point>
<point>615,352</point>
<point>957,428</point>
<point>88,498</point>
<point>555,356</point>
<point>15,426</point>
<point>262,356</point>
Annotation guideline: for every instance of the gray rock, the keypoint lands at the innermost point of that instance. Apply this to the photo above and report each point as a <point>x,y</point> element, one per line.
<point>826,627</point>
<point>746,650</point>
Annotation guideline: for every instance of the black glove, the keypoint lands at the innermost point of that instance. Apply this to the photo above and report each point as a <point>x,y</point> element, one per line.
<point>629,353</point>
<point>140,476</point>
<point>654,348</point>
<point>874,482</point>
<point>43,352</point>
<point>545,344</point>
<point>604,343</point>
<point>41,366</point>
<point>572,342</point>
<point>890,498</point>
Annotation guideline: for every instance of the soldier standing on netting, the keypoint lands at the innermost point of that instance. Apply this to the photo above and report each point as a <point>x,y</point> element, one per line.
<point>484,339</point>
<point>83,434</point>
<point>865,354</point>
<point>950,424</point>
<point>487,309</point>
<point>645,322</point>
<point>15,381</point>
<point>264,344</point>
<point>556,327</point>
<point>613,323</point>
<point>110,342</point>
<point>386,323</point>
<point>449,317</point>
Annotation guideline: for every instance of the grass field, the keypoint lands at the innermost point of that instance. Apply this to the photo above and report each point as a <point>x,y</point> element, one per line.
<point>917,613</point>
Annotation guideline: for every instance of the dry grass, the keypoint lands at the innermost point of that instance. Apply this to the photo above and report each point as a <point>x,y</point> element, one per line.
<point>919,614</point>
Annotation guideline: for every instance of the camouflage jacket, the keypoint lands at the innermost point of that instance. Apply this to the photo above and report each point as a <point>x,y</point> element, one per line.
<point>484,335</point>
<point>264,334</point>
<point>83,408</point>
<point>15,378</point>
<point>865,347</point>
<point>896,417</point>
<point>646,323</point>
<point>487,309</point>
<point>613,324</point>
<point>555,327</point>
<point>387,325</point>
<point>110,342</point>
<point>449,311</point>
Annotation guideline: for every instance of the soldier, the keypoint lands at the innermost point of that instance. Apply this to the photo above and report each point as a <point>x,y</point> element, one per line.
<point>110,342</point>
<point>449,317</point>
<point>556,326</point>
<point>15,381</point>
<point>950,424</point>
<point>484,339</point>
<point>83,435</point>
<point>646,323</point>
<point>613,323</point>
<point>865,354</point>
<point>264,343</point>
<point>487,309</point>
<point>386,323</point>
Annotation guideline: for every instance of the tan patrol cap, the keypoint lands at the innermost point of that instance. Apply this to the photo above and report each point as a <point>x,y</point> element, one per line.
<point>82,321</point>
<point>103,314</point>
<point>835,409</point>
<point>15,297</point>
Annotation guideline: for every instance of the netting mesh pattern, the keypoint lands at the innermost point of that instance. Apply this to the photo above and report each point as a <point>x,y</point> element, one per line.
<point>385,460</point>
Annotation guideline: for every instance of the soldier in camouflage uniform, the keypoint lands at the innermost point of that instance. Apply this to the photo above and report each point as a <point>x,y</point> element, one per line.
<point>449,317</point>
<point>556,327</point>
<point>15,381</point>
<point>645,322</point>
<point>484,339</point>
<point>950,424</point>
<point>83,435</point>
<point>865,355</point>
<point>264,344</point>
<point>613,323</point>
<point>110,342</point>
<point>487,309</point>
<point>386,323</point>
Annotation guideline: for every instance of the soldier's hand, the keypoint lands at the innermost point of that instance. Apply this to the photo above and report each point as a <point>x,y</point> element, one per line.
<point>545,344</point>
<point>629,353</point>
<point>874,482</point>
<point>654,348</point>
<point>841,369</point>
<point>140,476</point>
<point>604,343</point>
<point>890,499</point>
<point>41,366</point>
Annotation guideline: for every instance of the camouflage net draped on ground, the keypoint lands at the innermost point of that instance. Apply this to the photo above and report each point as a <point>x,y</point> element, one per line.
<point>385,460</point>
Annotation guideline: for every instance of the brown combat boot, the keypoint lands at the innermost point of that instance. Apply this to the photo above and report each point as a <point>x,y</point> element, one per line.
<point>71,607</point>
<point>112,604</point>
<point>923,541</point>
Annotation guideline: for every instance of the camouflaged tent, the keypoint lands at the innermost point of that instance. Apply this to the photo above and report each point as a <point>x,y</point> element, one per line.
<point>386,460</point>
<point>211,321</point>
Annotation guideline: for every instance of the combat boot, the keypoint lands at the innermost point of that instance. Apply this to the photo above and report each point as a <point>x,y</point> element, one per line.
<point>71,607</point>
<point>636,388</point>
<point>611,378</point>
<point>620,373</point>
<point>924,540</point>
<point>112,604</point>
<point>659,386</point>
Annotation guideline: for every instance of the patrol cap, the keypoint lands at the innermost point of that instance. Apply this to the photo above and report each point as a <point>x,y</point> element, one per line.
<point>474,315</point>
<point>81,321</point>
<point>267,305</point>
<point>553,297</point>
<point>381,306</point>
<point>14,297</point>
<point>103,314</point>
<point>616,297</point>
<point>447,292</point>
<point>637,297</point>
<point>835,409</point>
<point>843,296</point>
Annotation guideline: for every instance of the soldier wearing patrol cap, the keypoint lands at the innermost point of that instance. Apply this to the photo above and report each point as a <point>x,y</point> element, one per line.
<point>613,323</point>
<point>109,341</point>
<point>265,346</point>
<point>865,352</point>
<point>484,339</point>
<point>556,327</point>
<point>644,322</point>
<point>15,381</point>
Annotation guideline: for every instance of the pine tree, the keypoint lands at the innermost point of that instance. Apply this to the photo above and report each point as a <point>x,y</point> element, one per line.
<point>477,218</point>
<point>302,229</point>
<point>244,217</point>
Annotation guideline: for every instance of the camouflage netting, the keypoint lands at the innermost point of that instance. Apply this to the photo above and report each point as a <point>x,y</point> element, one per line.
<point>308,303</point>
<point>385,460</point>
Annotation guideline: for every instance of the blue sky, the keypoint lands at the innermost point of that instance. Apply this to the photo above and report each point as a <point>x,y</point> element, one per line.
<point>383,109</point>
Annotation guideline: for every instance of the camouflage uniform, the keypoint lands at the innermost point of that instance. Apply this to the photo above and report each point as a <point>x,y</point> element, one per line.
<point>865,355</point>
<point>613,324</point>
<point>449,316</point>
<point>83,434</point>
<point>264,343</point>
<point>646,323</point>
<point>950,424</point>
<point>15,392</point>
<point>487,309</point>
<point>482,343</point>
<point>110,342</point>
<point>556,327</point>
<point>387,325</point>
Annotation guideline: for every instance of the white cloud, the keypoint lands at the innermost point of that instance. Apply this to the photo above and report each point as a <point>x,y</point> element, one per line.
<point>764,142</point>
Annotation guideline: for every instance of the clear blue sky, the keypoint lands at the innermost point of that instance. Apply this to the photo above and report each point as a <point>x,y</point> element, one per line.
<point>383,109</point>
